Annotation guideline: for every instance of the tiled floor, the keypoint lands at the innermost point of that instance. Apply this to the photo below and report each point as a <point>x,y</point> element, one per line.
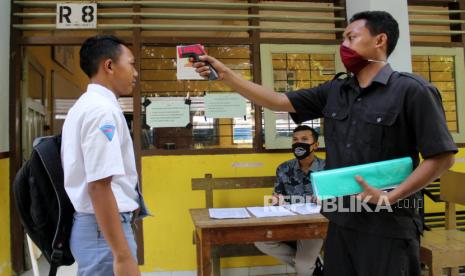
<point>281,270</point>
<point>277,270</point>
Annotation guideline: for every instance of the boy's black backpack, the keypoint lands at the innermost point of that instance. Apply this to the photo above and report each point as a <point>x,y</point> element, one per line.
<point>42,203</point>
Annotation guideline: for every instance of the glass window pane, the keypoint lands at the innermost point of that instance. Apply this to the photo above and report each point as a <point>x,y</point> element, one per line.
<point>158,79</point>
<point>298,71</point>
<point>440,71</point>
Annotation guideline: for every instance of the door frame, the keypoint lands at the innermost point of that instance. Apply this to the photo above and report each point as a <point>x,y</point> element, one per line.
<point>27,61</point>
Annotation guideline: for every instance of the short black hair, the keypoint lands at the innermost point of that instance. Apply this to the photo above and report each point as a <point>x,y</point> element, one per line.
<point>305,127</point>
<point>378,22</point>
<point>98,48</point>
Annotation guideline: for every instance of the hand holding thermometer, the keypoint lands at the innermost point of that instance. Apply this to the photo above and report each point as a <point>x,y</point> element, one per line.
<point>194,51</point>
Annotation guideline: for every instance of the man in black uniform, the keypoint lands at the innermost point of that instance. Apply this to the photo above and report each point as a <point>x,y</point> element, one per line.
<point>374,114</point>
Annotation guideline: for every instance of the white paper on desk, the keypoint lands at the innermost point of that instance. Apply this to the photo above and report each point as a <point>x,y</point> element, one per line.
<point>225,213</point>
<point>304,208</point>
<point>270,211</point>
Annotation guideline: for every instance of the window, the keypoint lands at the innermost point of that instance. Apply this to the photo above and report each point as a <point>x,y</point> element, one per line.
<point>444,67</point>
<point>288,68</point>
<point>159,82</point>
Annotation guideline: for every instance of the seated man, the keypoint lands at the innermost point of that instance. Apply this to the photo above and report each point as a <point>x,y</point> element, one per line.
<point>293,180</point>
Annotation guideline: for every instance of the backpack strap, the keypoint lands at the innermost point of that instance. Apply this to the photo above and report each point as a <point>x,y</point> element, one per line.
<point>57,256</point>
<point>53,269</point>
<point>338,75</point>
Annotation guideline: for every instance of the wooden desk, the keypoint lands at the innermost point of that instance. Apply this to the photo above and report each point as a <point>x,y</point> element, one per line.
<point>213,232</point>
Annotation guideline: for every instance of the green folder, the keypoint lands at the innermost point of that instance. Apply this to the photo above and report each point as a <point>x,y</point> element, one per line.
<point>340,182</point>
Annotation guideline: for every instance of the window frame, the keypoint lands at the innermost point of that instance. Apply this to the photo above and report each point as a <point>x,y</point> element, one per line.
<point>269,117</point>
<point>459,62</point>
<point>213,150</point>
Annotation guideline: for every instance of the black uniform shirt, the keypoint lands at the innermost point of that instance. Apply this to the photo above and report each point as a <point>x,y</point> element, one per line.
<point>397,115</point>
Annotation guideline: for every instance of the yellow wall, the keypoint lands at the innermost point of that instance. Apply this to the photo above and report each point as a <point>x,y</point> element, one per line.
<point>5,259</point>
<point>460,161</point>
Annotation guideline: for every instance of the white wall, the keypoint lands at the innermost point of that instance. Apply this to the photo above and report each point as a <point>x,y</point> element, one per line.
<point>4,73</point>
<point>400,59</point>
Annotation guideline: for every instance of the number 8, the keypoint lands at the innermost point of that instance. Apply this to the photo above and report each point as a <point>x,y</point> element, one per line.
<point>87,14</point>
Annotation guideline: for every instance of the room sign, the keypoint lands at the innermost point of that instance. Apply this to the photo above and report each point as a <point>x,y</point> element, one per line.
<point>76,16</point>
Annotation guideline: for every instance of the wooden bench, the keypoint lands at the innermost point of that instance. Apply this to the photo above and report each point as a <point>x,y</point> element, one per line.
<point>441,249</point>
<point>209,184</point>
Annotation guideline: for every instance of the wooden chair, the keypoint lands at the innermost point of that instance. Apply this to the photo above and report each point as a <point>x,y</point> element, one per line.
<point>442,249</point>
<point>209,184</point>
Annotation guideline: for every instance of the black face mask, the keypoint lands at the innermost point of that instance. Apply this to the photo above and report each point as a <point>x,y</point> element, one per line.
<point>301,150</point>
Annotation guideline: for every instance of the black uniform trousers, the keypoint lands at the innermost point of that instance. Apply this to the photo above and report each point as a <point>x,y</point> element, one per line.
<point>352,253</point>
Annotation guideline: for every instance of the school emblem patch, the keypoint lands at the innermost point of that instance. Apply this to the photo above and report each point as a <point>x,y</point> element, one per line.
<point>109,131</point>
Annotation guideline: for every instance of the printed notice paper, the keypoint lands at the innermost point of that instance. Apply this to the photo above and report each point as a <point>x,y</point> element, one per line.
<point>270,211</point>
<point>167,112</point>
<point>225,213</point>
<point>225,105</point>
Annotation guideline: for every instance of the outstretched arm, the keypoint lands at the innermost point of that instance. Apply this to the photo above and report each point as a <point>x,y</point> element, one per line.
<point>256,93</point>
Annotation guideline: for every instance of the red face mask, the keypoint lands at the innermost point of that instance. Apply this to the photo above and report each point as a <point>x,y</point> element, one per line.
<point>352,60</point>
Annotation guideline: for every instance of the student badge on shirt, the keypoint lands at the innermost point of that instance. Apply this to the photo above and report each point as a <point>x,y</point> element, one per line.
<point>108,130</point>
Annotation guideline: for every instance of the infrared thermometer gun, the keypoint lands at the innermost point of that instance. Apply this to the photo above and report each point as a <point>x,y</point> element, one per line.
<point>194,51</point>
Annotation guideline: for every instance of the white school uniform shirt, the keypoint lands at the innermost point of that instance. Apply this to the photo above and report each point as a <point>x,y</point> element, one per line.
<point>96,144</point>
